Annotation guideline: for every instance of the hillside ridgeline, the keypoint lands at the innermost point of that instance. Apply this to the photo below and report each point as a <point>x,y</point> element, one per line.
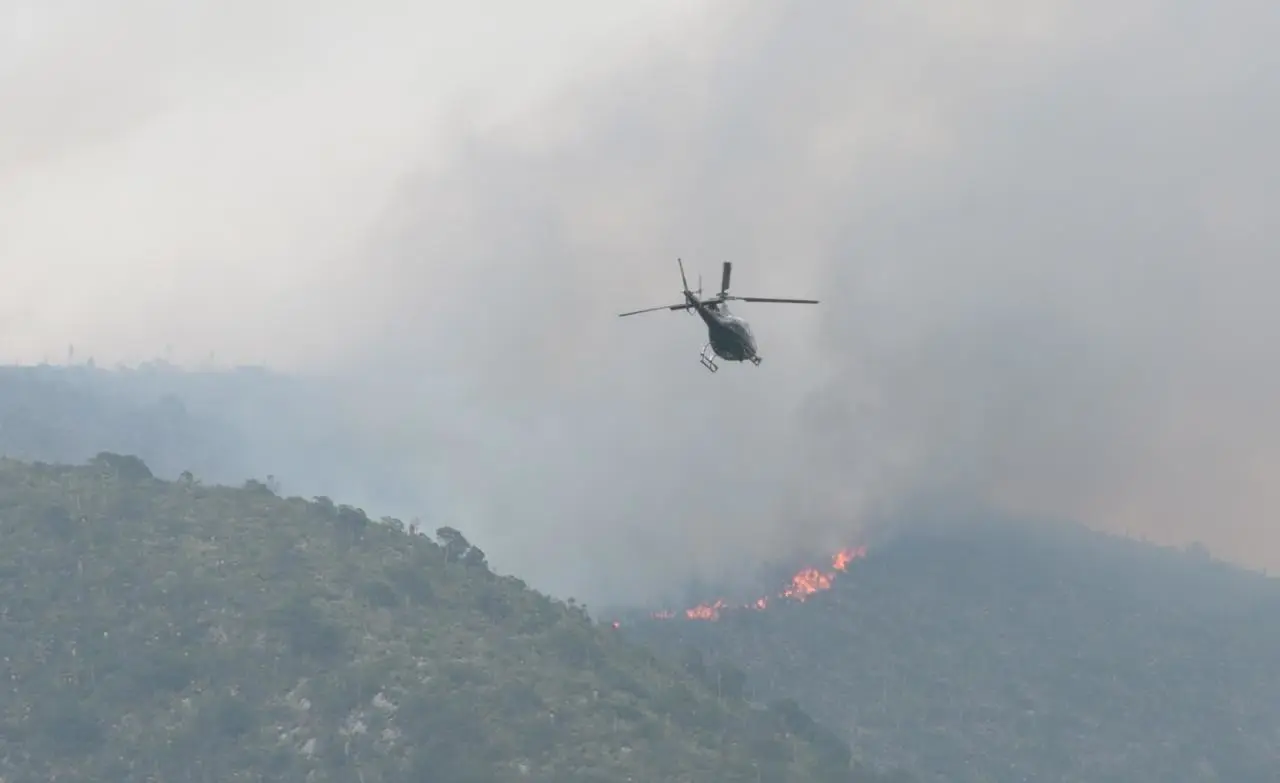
<point>179,632</point>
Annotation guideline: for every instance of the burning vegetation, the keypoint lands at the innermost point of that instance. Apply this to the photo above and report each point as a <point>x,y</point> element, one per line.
<point>805,583</point>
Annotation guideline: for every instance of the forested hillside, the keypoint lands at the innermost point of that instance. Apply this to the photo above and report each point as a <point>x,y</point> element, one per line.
<point>171,631</point>
<point>1000,652</point>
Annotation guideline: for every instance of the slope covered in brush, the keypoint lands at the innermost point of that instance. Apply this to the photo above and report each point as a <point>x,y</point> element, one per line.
<point>1006,653</point>
<point>175,631</point>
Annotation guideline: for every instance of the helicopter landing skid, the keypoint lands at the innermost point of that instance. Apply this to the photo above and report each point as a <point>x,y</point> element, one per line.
<point>708,358</point>
<point>755,360</point>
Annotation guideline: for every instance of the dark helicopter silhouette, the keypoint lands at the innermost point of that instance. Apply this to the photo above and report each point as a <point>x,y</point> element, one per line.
<point>728,335</point>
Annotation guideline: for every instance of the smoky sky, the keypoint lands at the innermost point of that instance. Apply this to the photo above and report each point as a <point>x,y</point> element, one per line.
<point>1042,234</point>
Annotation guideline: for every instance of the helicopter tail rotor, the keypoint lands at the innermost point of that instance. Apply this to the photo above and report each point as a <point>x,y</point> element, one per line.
<point>688,295</point>
<point>684,281</point>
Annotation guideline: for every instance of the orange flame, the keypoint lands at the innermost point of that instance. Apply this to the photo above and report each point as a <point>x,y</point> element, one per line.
<point>805,583</point>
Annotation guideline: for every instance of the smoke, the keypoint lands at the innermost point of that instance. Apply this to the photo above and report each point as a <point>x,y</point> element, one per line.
<point>1042,234</point>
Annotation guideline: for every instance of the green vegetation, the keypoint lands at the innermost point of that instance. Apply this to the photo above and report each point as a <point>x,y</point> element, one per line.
<point>173,631</point>
<point>1002,653</point>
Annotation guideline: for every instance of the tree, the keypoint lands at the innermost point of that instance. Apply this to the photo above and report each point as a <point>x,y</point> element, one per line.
<point>455,544</point>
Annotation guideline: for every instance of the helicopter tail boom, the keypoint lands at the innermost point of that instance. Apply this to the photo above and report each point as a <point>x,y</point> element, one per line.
<point>691,301</point>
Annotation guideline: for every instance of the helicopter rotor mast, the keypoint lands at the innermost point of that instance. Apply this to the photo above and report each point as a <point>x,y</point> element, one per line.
<point>726,273</point>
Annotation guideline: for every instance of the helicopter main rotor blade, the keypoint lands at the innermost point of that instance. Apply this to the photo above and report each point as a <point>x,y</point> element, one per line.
<point>656,309</point>
<point>770,299</point>
<point>725,272</point>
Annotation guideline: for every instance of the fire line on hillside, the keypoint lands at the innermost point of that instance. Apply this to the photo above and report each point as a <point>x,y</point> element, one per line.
<point>805,583</point>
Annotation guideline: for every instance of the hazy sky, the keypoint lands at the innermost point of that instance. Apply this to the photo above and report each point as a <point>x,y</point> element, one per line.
<point>1043,233</point>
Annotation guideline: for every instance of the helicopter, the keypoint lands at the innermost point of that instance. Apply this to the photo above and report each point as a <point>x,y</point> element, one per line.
<point>729,337</point>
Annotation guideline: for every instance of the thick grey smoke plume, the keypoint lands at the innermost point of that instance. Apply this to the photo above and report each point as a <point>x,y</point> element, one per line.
<point>1043,234</point>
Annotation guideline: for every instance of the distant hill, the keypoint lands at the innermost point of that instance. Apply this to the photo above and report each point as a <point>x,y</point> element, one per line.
<point>1003,653</point>
<point>171,631</point>
<point>223,425</point>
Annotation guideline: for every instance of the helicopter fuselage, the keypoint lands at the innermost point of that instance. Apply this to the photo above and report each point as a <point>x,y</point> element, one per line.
<point>730,336</point>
